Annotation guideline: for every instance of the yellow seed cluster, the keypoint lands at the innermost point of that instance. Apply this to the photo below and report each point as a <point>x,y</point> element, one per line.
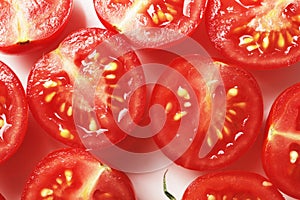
<point>161,17</point>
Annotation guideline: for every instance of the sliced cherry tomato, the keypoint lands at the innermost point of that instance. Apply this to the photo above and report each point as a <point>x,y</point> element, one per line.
<point>260,34</point>
<point>51,87</point>
<point>228,137</point>
<point>281,150</point>
<point>75,174</point>
<point>28,24</point>
<point>13,112</point>
<point>231,185</point>
<point>173,19</point>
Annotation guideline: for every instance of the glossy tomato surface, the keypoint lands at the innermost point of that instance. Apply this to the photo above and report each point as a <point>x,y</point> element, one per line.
<point>29,24</point>
<point>229,136</point>
<point>231,185</point>
<point>13,112</point>
<point>51,82</point>
<point>260,34</point>
<point>76,174</point>
<point>151,23</point>
<point>281,149</point>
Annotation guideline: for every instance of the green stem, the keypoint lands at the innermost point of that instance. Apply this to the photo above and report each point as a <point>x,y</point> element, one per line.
<point>169,195</point>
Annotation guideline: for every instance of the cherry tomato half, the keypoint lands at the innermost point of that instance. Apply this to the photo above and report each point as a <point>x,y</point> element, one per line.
<point>51,87</point>
<point>13,112</point>
<point>173,19</point>
<point>281,150</point>
<point>260,34</point>
<point>28,24</point>
<point>231,185</point>
<point>75,174</point>
<point>229,136</point>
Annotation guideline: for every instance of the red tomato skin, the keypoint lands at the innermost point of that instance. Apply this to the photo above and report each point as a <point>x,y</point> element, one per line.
<point>44,40</point>
<point>2,197</point>
<point>281,139</point>
<point>232,184</point>
<point>109,183</point>
<point>16,115</point>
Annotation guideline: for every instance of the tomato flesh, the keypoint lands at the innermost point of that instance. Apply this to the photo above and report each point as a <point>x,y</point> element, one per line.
<point>281,148</point>
<point>243,110</point>
<point>13,112</point>
<point>31,22</point>
<point>180,17</point>
<point>258,34</point>
<point>51,87</point>
<point>75,174</point>
<point>231,185</point>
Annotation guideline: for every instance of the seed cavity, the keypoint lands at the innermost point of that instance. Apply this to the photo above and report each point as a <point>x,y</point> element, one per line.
<point>69,176</point>
<point>266,184</point>
<point>50,84</point>
<point>46,192</point>
<point>183,93</point>
<point>62,107</point>
<point>211,197</point>
<point>49,97</point>
<point>110,76</point>
<point>162,16</point>
<point>112,66</point>
<point>65,133</point>
<point>179,115</point>
<point>294,156</point>
<point>240,104</point>
<point>168,107</point>
<point>281,41</point>
<point>226,130</point>
<point>93,125</point>
<point>232,92</point>
<point>231,111</point>
<point>187,104</point>
<point>70,111</point>
<point>59,181</point>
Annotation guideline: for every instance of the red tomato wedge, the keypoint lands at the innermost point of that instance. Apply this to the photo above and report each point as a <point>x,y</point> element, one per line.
<point>75,174</point>
<point>231,185</point>
<point>260,34</point>
<point>13,112</point>
<point>151,23</point>
<point>223,142</point>
<point>281,148</point>
<point>29,24</point>
<point>51,87</point>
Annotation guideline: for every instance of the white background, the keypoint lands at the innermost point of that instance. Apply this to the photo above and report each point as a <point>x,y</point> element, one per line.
<point>37,143</point>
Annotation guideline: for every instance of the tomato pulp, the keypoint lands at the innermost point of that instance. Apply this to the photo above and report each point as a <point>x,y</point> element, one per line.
<point>260,34</point>
<point>51,87</point>
<point>151,23</point>
<point>13,112</point>
<point>281,148</point>
<point>75,174</point>
<point>229,136</point>
<point>29,24</point>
